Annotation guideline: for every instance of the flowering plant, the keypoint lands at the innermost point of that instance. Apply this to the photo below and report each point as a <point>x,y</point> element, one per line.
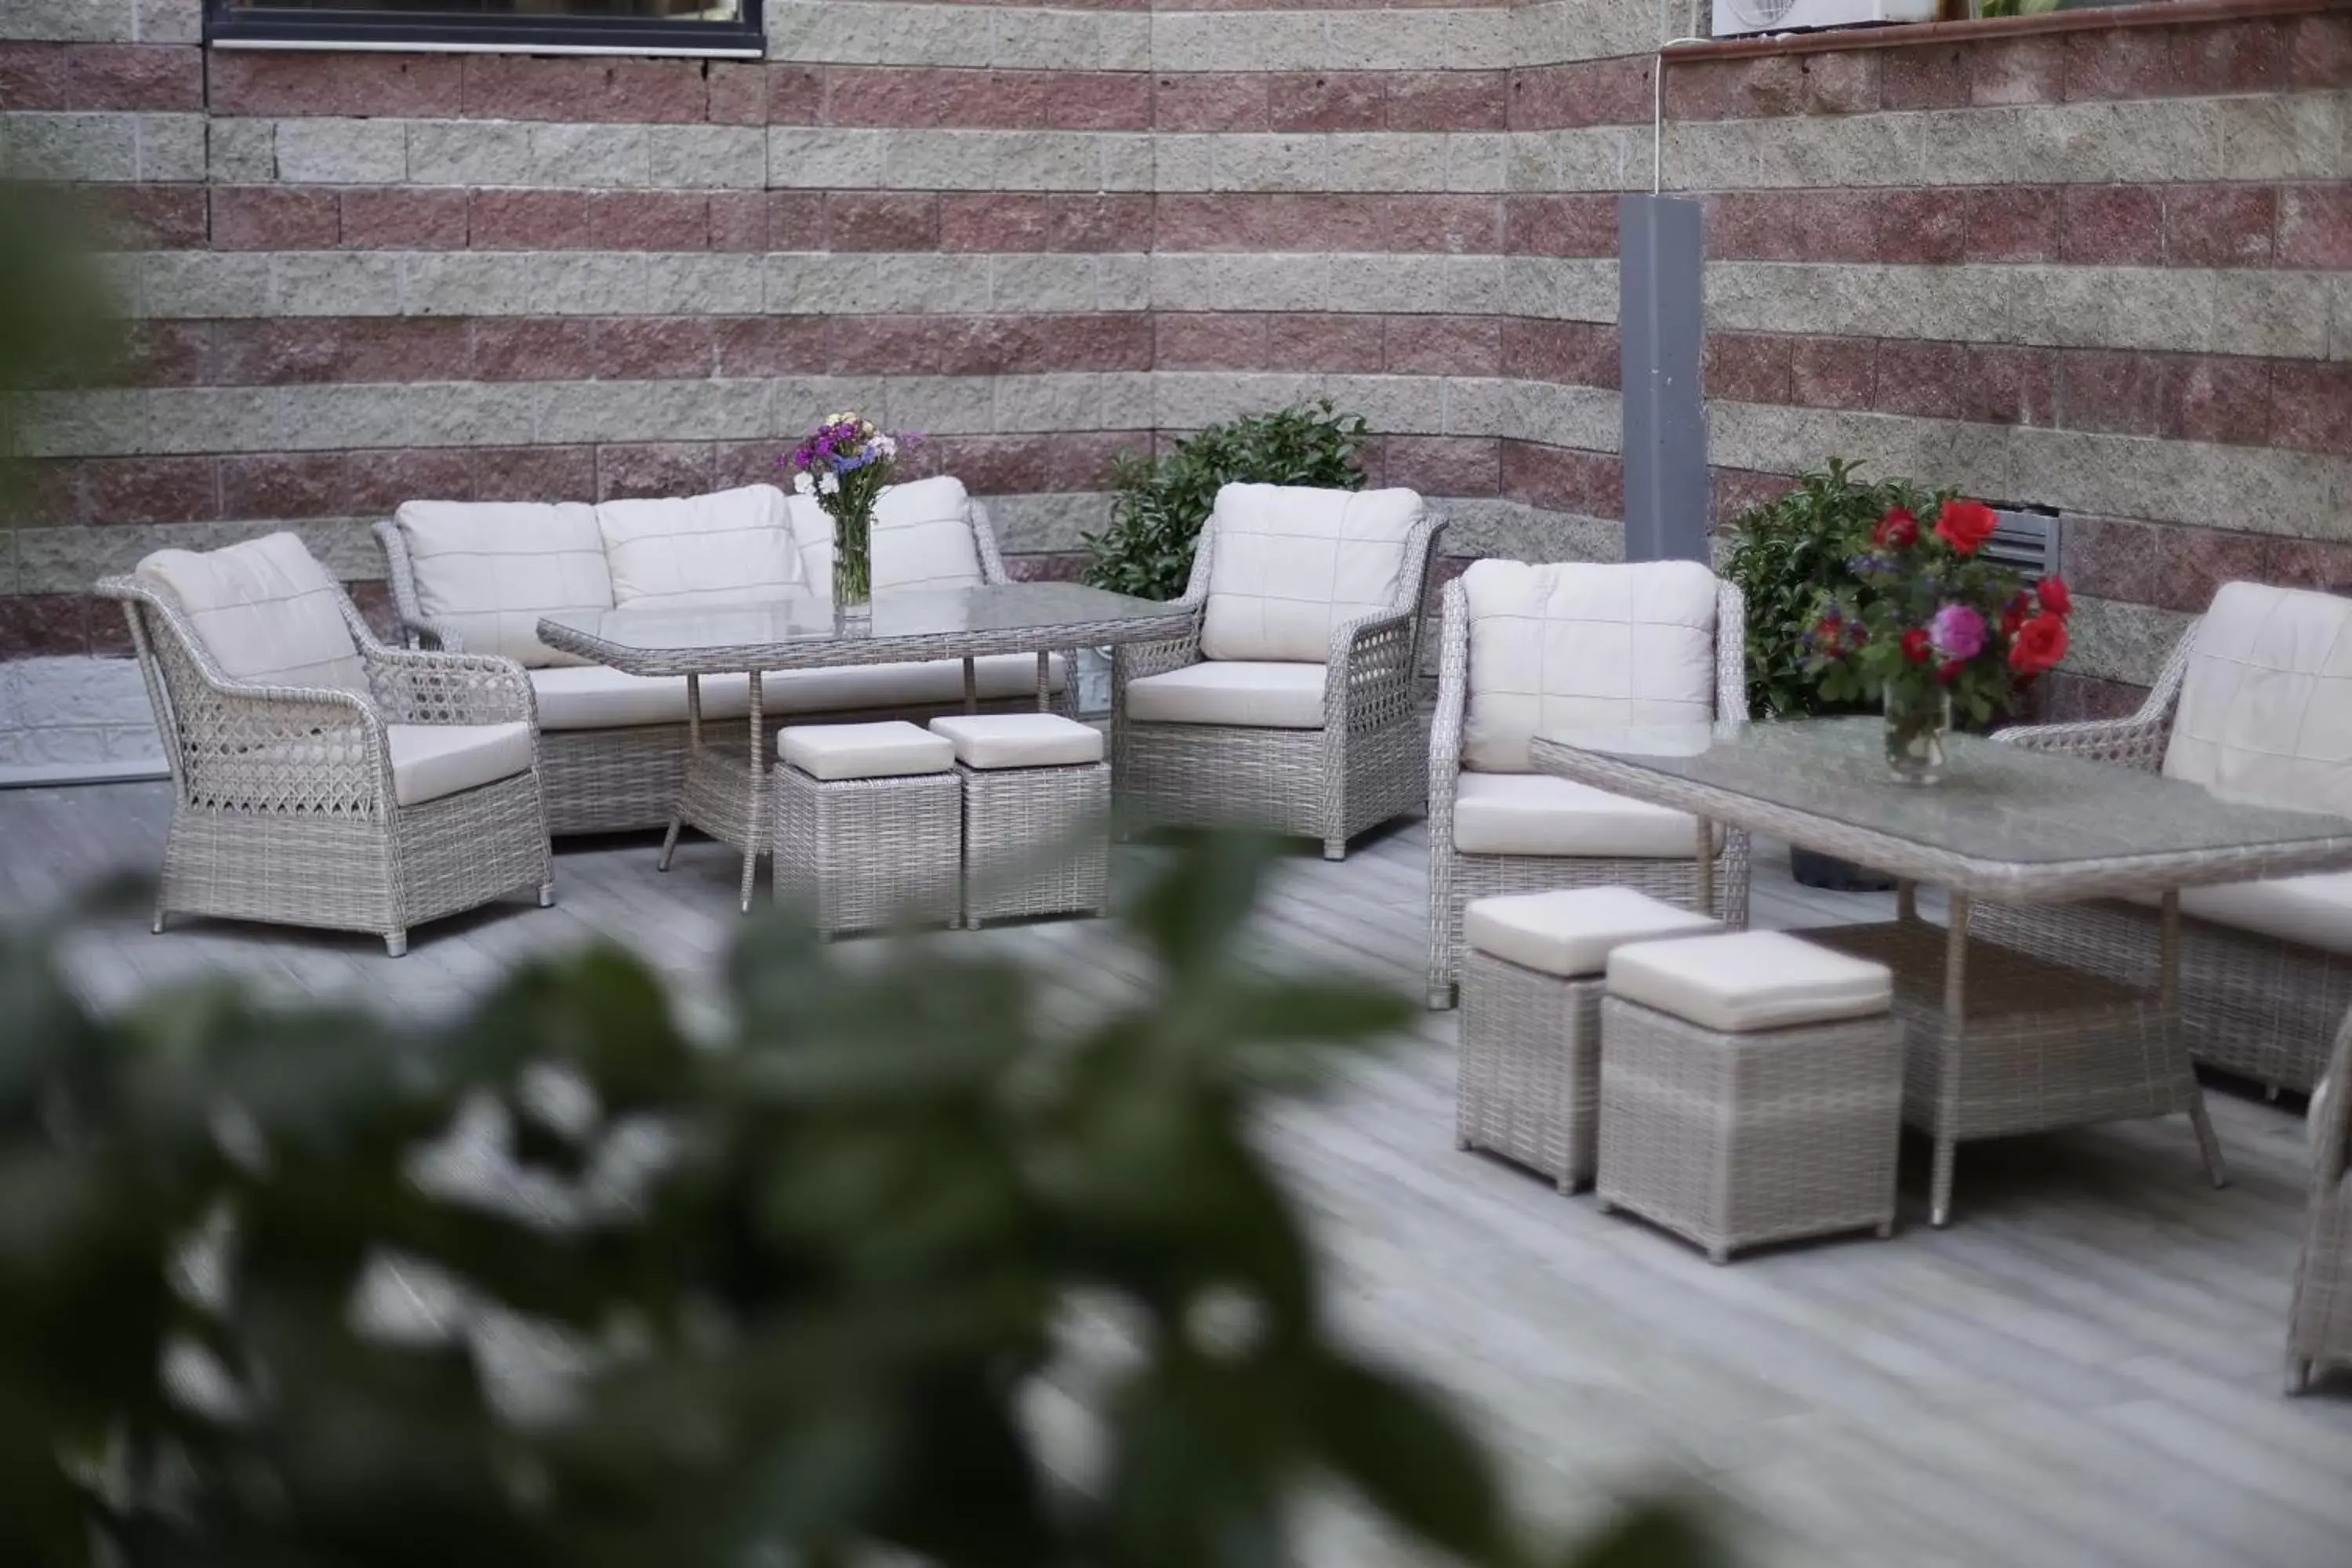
<point>1933,617</point>
<point>844,465</point>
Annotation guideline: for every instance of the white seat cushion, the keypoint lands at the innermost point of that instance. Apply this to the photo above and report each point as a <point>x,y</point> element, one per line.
<point>1290,563</point>
<point>886,750</point>
<point>1536,813</point>
<point>1747,980</point>
<point>2266,710</point>
<point>1580,644</point>
<point>1573,930</point>
<point>430,761</point>
<point>1234,691</point>
<point>729,548</point>
<point>598,697</point>
<point>922,538</point>
<point>2316,911</point>
<point>266,611</point>
<point>1019,740</point>
<point>490,570</point>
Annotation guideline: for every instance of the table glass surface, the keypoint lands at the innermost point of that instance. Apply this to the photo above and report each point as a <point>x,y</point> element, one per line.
<point>1003,607</point>
<point>1996,802</point>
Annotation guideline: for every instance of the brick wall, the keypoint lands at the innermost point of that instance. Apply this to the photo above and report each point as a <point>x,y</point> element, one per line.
<point>2107,271</point>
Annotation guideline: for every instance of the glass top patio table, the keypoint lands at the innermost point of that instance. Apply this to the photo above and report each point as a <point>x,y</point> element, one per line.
<point>802,631</point>
<point>2006,824</point>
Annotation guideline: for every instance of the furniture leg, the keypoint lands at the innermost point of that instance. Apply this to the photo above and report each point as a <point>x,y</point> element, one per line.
<point>755,811</point>
<point>971,687</point>
<point>1706,867</point>
<point>547,895</point>
<point>693,743</point>
<point>1045,679</point>
<point>2168,997</point>
<point>1906,899</point>
<point>1955,991</point>
<point>395,944</point>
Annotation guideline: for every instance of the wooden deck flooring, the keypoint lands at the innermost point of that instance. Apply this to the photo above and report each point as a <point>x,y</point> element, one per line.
<point>2082,1370</point>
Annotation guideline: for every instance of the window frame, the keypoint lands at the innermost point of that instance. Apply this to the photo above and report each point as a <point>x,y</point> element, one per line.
<point>229,24</point>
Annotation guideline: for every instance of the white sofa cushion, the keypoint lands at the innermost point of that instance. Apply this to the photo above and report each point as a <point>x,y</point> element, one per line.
<point>1236,691</point>
<point>1536,813</point>
<point>490,570</point>
<point>430,761</point>
<point>1290,563</point>
<point>887,750</point>
<point>595,698</point>
<point>1573,930</point>
<point>922,538</point>
<point>989,741</point>
<point>729,548</point>
<point>2315,910</point>
<point>266,611</point>
<point>1583,644</point>
<point>2266,710</point>
<point>1747,980</point>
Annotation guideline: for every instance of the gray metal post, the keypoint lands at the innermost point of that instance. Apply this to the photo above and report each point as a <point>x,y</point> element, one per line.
<point>1660,314</point>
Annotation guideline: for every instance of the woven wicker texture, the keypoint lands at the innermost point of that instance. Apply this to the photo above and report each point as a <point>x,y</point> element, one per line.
<point>1732,1141</point>
<point>284,808</point>
<point>1530,1068</point>
<point>1455,879</point>
<point>862,854</point>
<point>2319,1326</point>
<point>1368,763</point>
<point>1036,841</point>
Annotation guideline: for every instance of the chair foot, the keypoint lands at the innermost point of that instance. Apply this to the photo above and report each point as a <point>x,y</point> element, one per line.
<point>156,925</point>
<point>547,895</point>
<point>2208,1146</point>
<point>1887,1230</point>
<point>395,944</point>
<point>2271,1092</point>
<point>670,842</point>
<point>2298,1375</point>
<point>1939,1186</point>
<point>1335,850</point>
<point>1718,1254</point>
<point>1442,998</point>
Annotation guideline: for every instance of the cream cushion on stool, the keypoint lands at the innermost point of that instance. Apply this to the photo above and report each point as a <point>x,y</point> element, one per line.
<point>891,749</point>
<point>1572,931</point>
<point>991,741</point>
<point>1744,981</point>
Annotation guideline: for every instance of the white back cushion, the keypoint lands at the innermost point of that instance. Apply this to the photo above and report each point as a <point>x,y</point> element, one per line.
<point>728,548</point>
<point>2266,712</point>
<point>922,538</point>
<point>1290,563</point>
<point>490,570</point>
<point>264,610</point>
<point>1580,644</point>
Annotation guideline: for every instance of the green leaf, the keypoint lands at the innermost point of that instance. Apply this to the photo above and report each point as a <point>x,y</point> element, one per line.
<point>1409,1457</point>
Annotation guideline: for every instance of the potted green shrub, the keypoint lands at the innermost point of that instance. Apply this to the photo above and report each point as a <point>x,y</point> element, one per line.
<point>1790,554</point>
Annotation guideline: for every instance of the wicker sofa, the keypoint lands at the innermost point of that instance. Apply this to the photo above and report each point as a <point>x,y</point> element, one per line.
<point>319,777</point>
<point>2319,1325</point>
<point>1524,648</point>
<point>478,576</point>
<point>2256,704</point>
<point>1291,708</point>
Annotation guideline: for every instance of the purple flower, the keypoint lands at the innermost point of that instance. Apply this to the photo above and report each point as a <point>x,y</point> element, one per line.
<point>1956,632</point>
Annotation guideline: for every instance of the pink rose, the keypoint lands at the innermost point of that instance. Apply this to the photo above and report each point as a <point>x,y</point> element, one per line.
<point>1958,632</point>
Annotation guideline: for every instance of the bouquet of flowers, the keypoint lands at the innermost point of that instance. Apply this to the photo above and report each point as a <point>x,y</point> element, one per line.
<point>844,465</point>
<point>1935,626</point>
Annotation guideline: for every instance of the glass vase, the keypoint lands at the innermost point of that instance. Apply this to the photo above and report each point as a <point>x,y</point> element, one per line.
<point>1917,721</point>
<point>853,568</point>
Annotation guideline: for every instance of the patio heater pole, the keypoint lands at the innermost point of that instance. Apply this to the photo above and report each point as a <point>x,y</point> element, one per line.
<point>1661,315</point>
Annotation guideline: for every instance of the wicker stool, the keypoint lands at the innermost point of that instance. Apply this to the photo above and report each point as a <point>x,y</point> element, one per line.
<point>1752,1090</point>
<point>868,824</point>
<point>1531,992</point>
<point>1036,804</point>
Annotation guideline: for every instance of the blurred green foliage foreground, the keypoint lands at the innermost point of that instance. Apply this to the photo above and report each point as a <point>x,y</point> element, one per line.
<point>553,1284</point>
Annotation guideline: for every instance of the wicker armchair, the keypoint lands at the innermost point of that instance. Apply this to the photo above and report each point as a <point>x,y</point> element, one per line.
<point>1456,879</point>
<point>288,798</point>
<point>2252,1004</point>
<point>1365,763</point>
<point>2319,1325</point>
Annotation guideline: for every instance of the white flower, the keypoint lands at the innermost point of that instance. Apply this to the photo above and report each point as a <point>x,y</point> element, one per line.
<point>829,486</point>
<point>887,444</point>
<point>802,484</point>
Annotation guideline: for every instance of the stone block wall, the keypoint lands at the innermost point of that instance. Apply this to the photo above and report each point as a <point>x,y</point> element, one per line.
<point>2108,271</point>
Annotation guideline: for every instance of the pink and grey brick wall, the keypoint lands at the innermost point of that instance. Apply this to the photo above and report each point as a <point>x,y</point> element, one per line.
<point>2108,271</point>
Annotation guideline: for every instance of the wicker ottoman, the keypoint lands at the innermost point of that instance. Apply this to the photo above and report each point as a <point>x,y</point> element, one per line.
<point>1752,1090</point>
<point>1531,986</point>
<point>868,824</point>
<point>1036,802</point>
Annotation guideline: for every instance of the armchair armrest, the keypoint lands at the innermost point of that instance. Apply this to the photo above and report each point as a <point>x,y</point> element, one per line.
<point>1368,672</point>
<point>421,632</point>
<point>2331,1119</point>
<point>2137,741</point>
<point>1445,723</point>
<point>415,687</point>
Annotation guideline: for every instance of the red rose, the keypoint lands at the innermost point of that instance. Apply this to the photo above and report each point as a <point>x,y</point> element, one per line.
<point>2013,615</point>
<point>1899,529</point>
<point>1950,670</point>
<point>2040,643</point>
<point>1965,525</point>
<point>1915,645</point>
<point>2054,595</point>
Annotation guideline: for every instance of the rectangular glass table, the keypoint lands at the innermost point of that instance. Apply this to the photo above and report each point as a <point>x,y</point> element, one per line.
<point>1999,1041</point>
<point>725,793</point>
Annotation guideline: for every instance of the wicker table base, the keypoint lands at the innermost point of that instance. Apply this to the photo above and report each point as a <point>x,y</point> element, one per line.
<point>2000,1042</point>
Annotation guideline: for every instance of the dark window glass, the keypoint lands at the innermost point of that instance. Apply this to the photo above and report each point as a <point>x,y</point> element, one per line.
<point>730,25</point>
